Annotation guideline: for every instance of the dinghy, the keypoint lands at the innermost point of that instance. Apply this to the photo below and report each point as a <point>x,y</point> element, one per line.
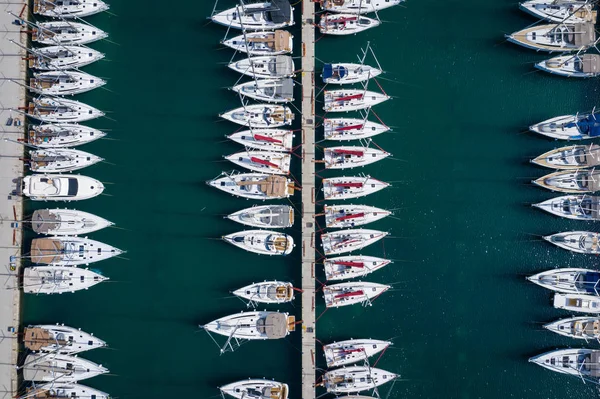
<point>66,222</point>
<point>265,139</point>
<point>561,37</point>
<point>577,303</point>
<point>60,187</point>
<point>577,207</point>
<point>68,8</point>
<point>352,157</point>
<point>59,368</point>
<point>55,58</point>
<point>348,73</point>
<point>277,163</point>
<point>345,24</point>
<point>352,100</point>
<point>567,11</point>
<point>572,157</point>
<point>262,242</point>
<point>265,67</point>
<point>253,325</point>
<point>256,389</point>
<point>54,390</point>
<point>60,160</point>
<point>584,327</point>
<point>267,292</point>
<point>66,33</point>
<point>347,267</point>
<point>62,135</point>
<point>59,338</point>
<point>269,90</point>
<point>568,280</point>
<point>70,251</point>
<point>578,181</point>
<point>353,351</point>
<point>346,187</point>
<point>355,379</point>
<point>259,186</point>
<point>583,242</point>
<point>60,110</point>
<point>358,6</point>
<point>344,216</point>
<point>572,66</point>
<point>344,294</point>
<point>581,363</point>
<point>265,216</point>
<point>262,43</point>
<point>345,129</point>
<point>58,279</point>
<point>64,83</point>
<point>343,241</point>
<point>569,127</point>
<point>260,116</point>
<point>274,14</point>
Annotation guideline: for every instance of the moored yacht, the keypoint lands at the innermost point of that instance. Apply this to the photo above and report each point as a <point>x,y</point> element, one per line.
<point>583,327</point>
<point>570,11</point>
<point>260,115</point>
<point>68,8</point>
<point>70,251</point>
<point>55,58</point>
<point>569,127</point>
<point>60,160</point>
<point>561,37</point>
<point>62,135</point>
<point>277,163</point>
<point>66,222</point>
<point>59,338</point>
<point>345,129</point>
<point>262,43</point>
<point>265,139</point>
<point>358,6</point>
<point>265,67</point>
<point>273,14</point>
<point>356,379</point>
<point>59,368</point>
<point>53,390</point>
<point>58,279</point>
<point>265,216</point>
<point>256,389</point>
<point>352,100</point>
<point>352,266</point>
<point>267,292</point>
<point>576,362</point>
<point>66,33</point>
<point>572,157</point>
<point>253,325</point>
<point>346,187</point>
<point>348,73</point>
<point>345,24</point>
<point>262,242</point>
<point>577,303</point>
<point>342,241</point>
<point>583,242</point>
<point>259,186</point>
<point>578,207</point>
<point>64,83</point>
<point>60,110</point>
<point>352,351</point>
<point>578,181</point>
<point>572,66</point>
<point>344,294</point>
<point>348,157</point>
<point>60,187</point>
<point>344,216</point>
<point>269,90</point>
<point>568,280</point>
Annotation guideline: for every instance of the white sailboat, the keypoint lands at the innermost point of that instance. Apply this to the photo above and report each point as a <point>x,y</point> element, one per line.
<point>270,15</point>
<point>262,43</point>
<point>277,163</point>
<point>346,129</point>
<point>577,207</point>
<point>60,339</point>
<point>345,216</point>
<point>59,368</point>
<point>62,135</point>
<point>353,351</point>
<point>262,242</point>
<point>347,187</point>
<point>55,58</point>
<point>563,37</point>
<point>60,160</point>
<point>572,66</point>
<point>358,6</point>
<point>342,241</point>
<point>62,390</point>
<point>568,280</point>
<point>60,110</point>
<point>260,115</point>
<point>256,389</point>
<point>268,292</point>
<point>348,157</point>
<point>268,90</point>
<point>70,251</point>
<point>352,100</point>
<point>579,181</point>
<point>265,139</point>
<point>583,242</point>
<point>345,294</point>
<point>355,379</point>
<point>66,222</point>
<point>265,216</point>
<point>581,363</point>
<point>60,187</point>
<point>582,327</point>
<point>352,266</point>
<point>345,24</point>
<point>64,83</point>
<point>66,33</point>
<point>265,67</point>
<point>577,303</point>
<point>348,73</point>
<point>69,8</point>
<point>258,186</point>
<point>570,11</point>
<point>571,157</point>
<point>259,325</point>
<point>569,127</point>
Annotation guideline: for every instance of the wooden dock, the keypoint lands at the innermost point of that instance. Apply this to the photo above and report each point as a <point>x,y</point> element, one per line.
<point>308,201</point>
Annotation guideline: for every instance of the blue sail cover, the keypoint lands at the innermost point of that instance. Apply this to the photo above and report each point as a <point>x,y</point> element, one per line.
<point>327,71</point>
<point>589,126</point>
<point>330,72</point>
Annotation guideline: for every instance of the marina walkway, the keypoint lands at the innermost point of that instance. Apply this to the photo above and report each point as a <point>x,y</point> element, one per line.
<point>308,200</point>
<point>12,96</point>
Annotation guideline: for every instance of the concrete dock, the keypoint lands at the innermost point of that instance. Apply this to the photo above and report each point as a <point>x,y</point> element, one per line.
<point>12,96</point>
<point>308,201</point>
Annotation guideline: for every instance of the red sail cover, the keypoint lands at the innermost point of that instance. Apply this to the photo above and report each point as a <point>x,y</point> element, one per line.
<point>263,162</point>
<point>350,263</point>
<point>349,152</point>
<point>348,184</point>
<point>350,216</point>
<point>350,294</point>
<point>260,137</point>
<point>351,127</point>
<point>352,97</point>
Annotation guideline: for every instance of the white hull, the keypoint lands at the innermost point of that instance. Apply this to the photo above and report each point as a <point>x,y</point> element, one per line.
<point>66,222</point>
<point>262,43</point>
<point>62,135</point>
<point>561,11</point>
<point>571,157</point>
<point>555,37</point>
<point>345,294</point>
<point>347,267</point>
<point>60,338</point>
<point>265,216</point>
<point>277,163</point>
<point>59,368</point>
<point>253,325</point>
<point>578,181</point>
<point>577,303</point>
<point>353,351</point>
<point>66,390</point>
<point>352,100</point>
<point>260,116</point>
<point>568,280</point>
<point>345,24</point>
<point>358,6</point>
<point>262,242</point>
<point>572,66</point>
<point>355,379</point>
<point>60,160</point>
<point>347,187</point>
<point>56,58</point>
<point>257,186</point>
<point>59,110</point>
<point>348,216</point>
<point>346,129</point>
<point>70,251</point>
<point>584,327</point>
<point>348,73</point>
<point>64,83</point>
<point>583,242</point>
<point>576,207</point>
<point>344,241</point>
<point>256,389</point>
<point>69,8</point>
<point>268,292</point>
<point>575,362</point>
<point>265,139</point>
<point>352,157</point>
<point>265,67</point>
<point>268,90</point>
<point>251,17</point>
<point>58,279</point>
<point>66,33</point>
<point>60,187</point>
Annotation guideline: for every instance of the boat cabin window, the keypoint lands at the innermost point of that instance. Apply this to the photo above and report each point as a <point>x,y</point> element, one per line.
<point>90,343</point>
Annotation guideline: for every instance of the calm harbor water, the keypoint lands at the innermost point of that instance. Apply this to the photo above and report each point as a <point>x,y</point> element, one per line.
<point>463,319</point>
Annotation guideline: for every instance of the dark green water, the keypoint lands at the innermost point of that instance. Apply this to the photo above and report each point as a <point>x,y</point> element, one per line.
<point>463,319</point>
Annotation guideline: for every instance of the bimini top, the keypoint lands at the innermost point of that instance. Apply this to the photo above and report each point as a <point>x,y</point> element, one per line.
<point>280,11</point>
<point>44,222</point>
<point>274,326</point>
<point>338,72</point>
<point>582,35</point>
<point>36,339</point>
<point>588,63</point>
<point>282,65</point>
<point>589,125</point>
